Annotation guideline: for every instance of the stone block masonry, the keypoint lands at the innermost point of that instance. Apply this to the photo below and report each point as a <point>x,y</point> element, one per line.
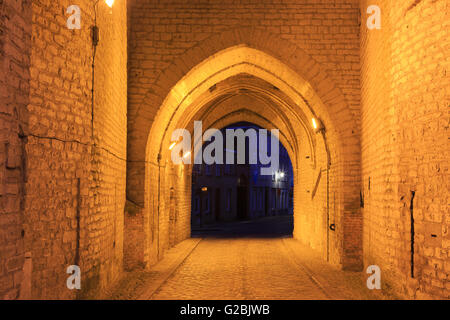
<point>405,101</point>
<point>15,48</point>
<point>63,188</point>
<point>70,159</point>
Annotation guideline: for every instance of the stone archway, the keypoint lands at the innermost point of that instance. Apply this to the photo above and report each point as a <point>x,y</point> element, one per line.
<point>290,71</point>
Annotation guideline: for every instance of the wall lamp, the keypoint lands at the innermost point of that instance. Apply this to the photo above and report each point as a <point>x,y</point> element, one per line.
<point>187,154</point>
<point>317,125</point>
<point>95,37</point>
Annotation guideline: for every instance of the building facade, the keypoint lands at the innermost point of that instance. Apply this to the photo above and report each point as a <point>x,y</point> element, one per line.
<point>228,192</point>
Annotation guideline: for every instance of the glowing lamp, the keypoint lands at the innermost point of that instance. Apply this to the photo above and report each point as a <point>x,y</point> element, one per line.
<point>109,3</point>
<point>317,125</point>
<point>187,154</point>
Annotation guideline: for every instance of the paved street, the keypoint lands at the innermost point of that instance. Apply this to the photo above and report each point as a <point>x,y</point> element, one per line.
<point>239,269</point>
<point>220,266</point>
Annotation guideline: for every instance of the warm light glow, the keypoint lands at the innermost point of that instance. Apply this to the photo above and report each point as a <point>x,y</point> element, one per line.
<point>314,123</point>
<point>205,189</point>
<point>172,145</point>
<point>187,154</point>
<point>109,3</point>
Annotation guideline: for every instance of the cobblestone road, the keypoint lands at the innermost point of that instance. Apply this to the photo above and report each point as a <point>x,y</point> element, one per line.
<point>244,260</point>
<point>240,269</point>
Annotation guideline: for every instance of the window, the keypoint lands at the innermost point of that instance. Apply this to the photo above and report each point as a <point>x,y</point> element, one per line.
<point>274,199</point>
<point>207,169</point>
<point>254,193</point>
<point>281,199</point>
<point>228,199</point>
<point>286,199</point>
<point>227,169</point>
<point>218,170</point>
<point>260,199</point>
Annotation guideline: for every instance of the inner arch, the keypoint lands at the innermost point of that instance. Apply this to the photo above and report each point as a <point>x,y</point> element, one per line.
<point>282,99</point>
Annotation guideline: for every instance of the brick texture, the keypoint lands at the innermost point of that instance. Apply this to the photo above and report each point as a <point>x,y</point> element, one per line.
<point>15,41</point>
<point>87,179</point>
<point>404,111</point>
<point>74,185</point>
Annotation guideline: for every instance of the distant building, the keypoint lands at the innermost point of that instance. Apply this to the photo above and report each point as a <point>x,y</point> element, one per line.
<point>227,192</point>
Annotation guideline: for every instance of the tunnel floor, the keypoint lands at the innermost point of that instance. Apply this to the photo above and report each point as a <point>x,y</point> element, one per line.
<point>247,268</point>
<point>245,260</point>
<point>240,269</point>
<point>252,269</point>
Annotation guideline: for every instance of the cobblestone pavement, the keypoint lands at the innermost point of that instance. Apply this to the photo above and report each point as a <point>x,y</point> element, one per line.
<point>248,260</point>
<point>254,268</point>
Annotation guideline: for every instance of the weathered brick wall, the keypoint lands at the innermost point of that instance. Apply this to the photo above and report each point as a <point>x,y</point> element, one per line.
<point>76,154</point>
<point>15,39</point>
<point>405,145</point>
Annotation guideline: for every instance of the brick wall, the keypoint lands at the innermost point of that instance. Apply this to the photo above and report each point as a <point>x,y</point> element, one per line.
<point>75,165</point>
<point>63,163</point>
<point>404,137</point>
<point>15,39</point>
<point>161,33</point>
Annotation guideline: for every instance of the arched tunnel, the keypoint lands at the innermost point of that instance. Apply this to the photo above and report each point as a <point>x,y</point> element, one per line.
<point>110,110</point>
